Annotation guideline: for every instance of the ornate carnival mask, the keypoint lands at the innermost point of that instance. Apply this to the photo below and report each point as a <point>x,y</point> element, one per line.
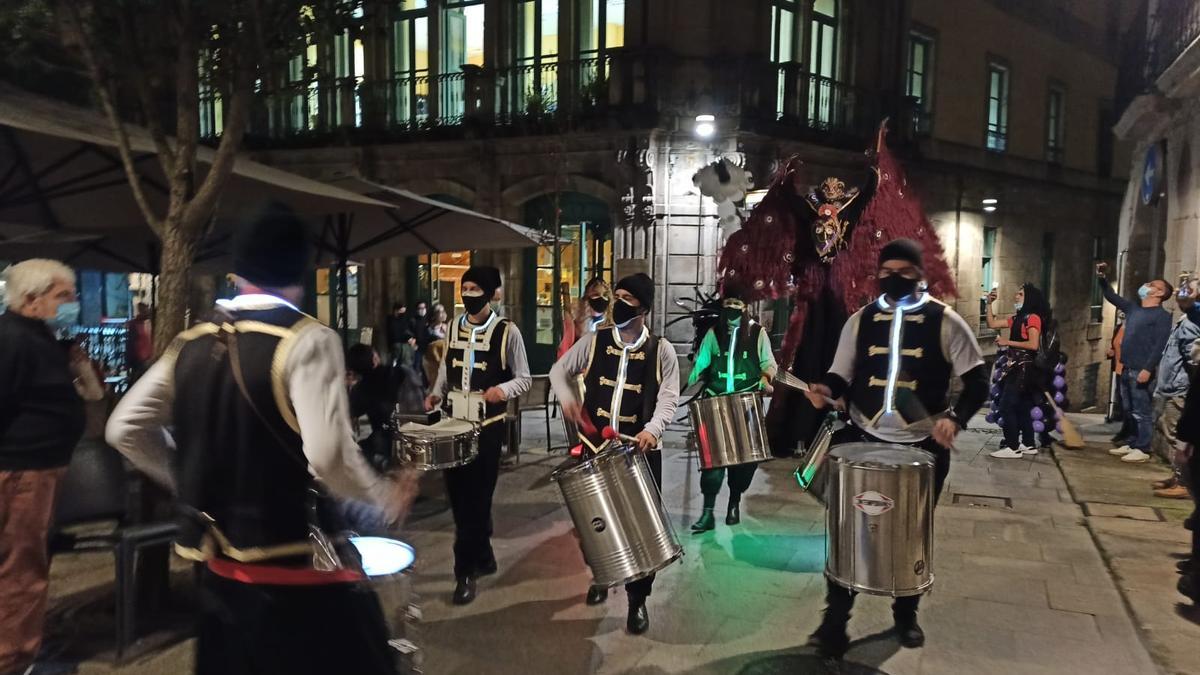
<point>830,232</point>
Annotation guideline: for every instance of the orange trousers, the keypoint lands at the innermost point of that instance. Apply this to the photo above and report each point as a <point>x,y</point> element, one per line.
<point>26,506</point>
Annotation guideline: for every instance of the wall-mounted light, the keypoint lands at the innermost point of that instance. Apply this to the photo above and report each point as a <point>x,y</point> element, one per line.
<point>706,125</point>
<point>989,209</point>
<point>991,201</point>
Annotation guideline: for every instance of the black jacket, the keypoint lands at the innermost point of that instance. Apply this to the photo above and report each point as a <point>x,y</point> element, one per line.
<point>41,414</point>
<point>399,329</point>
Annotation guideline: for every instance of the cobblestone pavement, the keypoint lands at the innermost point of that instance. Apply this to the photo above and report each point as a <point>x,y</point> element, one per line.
<point>1021,586</point>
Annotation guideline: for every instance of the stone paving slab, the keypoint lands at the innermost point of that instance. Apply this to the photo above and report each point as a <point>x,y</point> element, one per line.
<point>1020,590</point>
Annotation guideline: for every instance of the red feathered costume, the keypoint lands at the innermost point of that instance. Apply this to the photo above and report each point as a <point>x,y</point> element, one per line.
<point>821,249</point>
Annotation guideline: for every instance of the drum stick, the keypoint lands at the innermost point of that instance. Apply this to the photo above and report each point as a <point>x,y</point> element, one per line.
<point>792,382</point>
<point>585,422</point>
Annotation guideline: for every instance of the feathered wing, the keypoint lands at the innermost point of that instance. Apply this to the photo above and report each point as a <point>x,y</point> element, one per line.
<point>759,257</point>
<point>893,212</point>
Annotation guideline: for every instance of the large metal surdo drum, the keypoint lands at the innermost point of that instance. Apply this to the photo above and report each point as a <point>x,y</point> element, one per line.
<point>880,519</point>
<point>729,430</point>
<point>387,563</point>
<point>624,530</point>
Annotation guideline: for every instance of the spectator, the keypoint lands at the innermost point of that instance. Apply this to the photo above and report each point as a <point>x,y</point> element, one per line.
<point>1022,384</point>
<point>42,387</point>
<point>421,334</point>
<point>139,342</point>
<point>586,314</point>
<point>1169,399</point>
<point>1125,433</point>
<point>1188,432</point>
<point>438,325</point>
<point>400,335</point>
<point>1147,326</point>
<point>372,393</point>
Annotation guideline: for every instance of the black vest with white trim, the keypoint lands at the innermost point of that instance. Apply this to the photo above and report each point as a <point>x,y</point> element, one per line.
<point>620,383</point>
<point>482,349</point>
<point>885,380</point>
<point>243,479</point>
<point>743,363</point>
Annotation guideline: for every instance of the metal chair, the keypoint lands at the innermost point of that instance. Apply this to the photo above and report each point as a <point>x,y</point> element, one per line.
<point>96,489</point>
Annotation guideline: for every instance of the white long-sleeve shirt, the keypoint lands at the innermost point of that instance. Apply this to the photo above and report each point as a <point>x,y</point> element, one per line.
<point>575,361</point>
<point>314,373</point>
<point>514,354</point>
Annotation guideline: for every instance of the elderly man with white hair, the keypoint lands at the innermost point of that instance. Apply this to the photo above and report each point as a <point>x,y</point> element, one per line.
<point>42,388</point>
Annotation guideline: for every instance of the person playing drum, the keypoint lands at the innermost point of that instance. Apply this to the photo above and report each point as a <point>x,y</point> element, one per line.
<point>243,418</point>
<point>484,367</point>
<point>735,356</point>
<point>893,364</point>
<point>631,384</point>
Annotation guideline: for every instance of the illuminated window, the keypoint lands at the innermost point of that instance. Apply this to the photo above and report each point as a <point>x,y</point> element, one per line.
<point>601,28</point>
<point>783,43</point>
<point>997,107</point>
<point>1097,303</point>
<point>536,57</point>
<point>442,274</point>
<point>919,79</point>
<point>823,92</point>
<point>329,300</point>
<point>410,63</point>
<point>987,277</point>
<point>462,44</point>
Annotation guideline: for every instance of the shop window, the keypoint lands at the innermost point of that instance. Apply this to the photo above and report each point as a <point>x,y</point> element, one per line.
<point>1096,308</point>
<point>329,299</point>
<point>987,276</point>
<point>442,274</point>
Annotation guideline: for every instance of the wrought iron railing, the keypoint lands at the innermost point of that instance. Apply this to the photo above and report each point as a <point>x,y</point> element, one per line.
<point>830,106</point>
<point>1174,26</point>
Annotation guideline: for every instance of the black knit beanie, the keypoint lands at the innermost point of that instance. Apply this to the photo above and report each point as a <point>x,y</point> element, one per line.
<point>902,249</point>
<point>271,248</point>
<point>639,286</point>
<point>487,278</point>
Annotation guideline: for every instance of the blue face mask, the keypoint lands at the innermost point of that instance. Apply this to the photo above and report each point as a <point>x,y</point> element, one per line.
<point>1144,291</point>
<point>67,315</point>
<point>1018,305</point>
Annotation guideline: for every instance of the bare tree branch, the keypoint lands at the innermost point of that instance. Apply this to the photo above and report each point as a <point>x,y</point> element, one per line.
<point>205,199</point>
<point>105,95</point>
<point>141,84</point>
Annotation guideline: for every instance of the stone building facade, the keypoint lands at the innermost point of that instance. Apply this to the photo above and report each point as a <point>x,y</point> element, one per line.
<point>973,117</point>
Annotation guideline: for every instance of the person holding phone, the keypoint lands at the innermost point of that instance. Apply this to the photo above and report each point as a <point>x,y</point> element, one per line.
<point>1147,327</point>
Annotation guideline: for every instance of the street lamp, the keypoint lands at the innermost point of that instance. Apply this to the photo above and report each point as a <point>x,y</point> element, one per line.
<point>706,125</point>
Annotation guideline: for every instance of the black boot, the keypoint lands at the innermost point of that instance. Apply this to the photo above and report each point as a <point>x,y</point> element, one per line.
<point>705,523</point>
<point>830,639</point>
<point>910,634</point>
<point>464,591</point>
<point>596,595</point>
<point>1189,586</point>
<point>486,568</point>
<point>734,515</point>
<point>638,621</point>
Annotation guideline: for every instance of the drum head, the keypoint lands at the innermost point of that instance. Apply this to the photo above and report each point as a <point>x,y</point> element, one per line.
<point>880,454</point>
<point>382,556</point>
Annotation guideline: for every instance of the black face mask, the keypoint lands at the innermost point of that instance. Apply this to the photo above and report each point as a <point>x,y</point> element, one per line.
<point>598,305</point>
<point>623,313</point>
<point>474,304</point>
<point>731,315</point>
<point>897,286</point>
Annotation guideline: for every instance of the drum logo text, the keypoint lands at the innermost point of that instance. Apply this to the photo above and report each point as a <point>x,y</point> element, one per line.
<point>873,503</point>
<point>598,524</point>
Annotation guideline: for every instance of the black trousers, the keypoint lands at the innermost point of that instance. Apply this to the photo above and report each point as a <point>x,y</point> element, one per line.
<point>839,600</point>
<point>470,489</point>
<point>639,590</point>
<point>739,481</point>
<point>250,629</point>
<point>1194,468</point>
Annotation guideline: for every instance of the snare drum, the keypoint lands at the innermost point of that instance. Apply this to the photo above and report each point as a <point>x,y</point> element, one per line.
<point>387,564</point>
<point>445,445</point>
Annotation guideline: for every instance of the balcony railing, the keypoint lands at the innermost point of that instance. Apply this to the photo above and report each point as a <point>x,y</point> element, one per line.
<point>822,105</point>
<point>1174,26</point>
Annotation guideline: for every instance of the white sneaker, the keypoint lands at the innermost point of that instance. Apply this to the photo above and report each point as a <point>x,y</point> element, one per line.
<point>1025,449</point>
<point>1121,451</point>
<point>1136,457</point>
<point>1007,453</point>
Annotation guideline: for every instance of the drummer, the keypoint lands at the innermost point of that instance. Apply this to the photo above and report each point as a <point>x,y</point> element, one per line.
<point>735,356</point>
<point>894,363</point>
<point>631,380</point>
<point>484,366</point>
<point>241,418</point>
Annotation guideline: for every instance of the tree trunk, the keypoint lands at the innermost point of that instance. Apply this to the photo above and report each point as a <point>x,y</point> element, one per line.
<point>178,251</point>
